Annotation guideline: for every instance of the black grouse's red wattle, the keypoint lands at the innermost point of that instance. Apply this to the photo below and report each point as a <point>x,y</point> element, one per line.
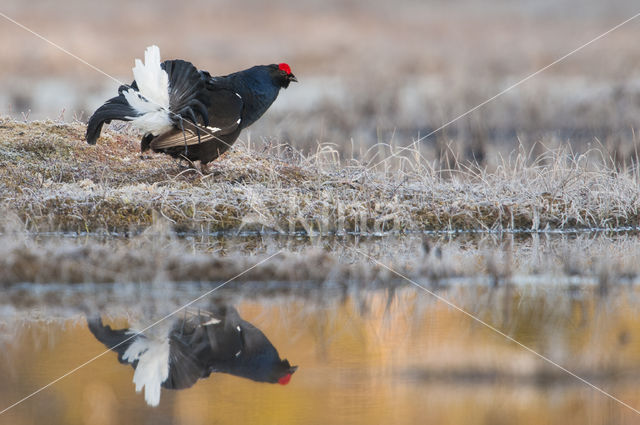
<point>187,113</point>
<point>192,347</point>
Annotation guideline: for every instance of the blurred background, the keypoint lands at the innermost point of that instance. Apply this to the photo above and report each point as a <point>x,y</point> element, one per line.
<point>371,72</point>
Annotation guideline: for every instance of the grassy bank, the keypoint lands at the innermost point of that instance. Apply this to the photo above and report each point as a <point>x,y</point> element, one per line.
<point>53,181</point>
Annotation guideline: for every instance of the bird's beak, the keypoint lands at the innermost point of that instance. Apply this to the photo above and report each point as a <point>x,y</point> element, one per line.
<point>292,78</point>
<point>284,380</point>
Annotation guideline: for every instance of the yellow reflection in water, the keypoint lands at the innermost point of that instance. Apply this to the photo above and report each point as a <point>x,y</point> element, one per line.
<point>367,360</point>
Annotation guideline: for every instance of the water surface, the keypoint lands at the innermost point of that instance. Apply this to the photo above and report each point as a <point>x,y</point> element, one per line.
<point>364,357</point>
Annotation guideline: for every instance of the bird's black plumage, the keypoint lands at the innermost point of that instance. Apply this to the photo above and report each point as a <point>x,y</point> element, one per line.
<point>205,114</point>
<point>201,343</point>
<point>116,108</point>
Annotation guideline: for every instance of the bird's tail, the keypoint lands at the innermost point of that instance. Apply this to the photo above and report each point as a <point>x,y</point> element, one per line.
<point>145,102</point>
<point>116,108</point>
<point>149,357</point>
<point>117,340</point>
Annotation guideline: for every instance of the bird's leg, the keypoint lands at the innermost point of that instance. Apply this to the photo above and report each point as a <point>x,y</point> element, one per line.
<point>184,321</point>
<point>191,163</point>
<point>180,164</point>
<point>191,115</point>
<point>210,168</point>
<point>186,146</point>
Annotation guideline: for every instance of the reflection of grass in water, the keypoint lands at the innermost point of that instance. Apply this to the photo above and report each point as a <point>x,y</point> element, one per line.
<point>54,181</point>
<point>159,255</point>
<point>596,337</point>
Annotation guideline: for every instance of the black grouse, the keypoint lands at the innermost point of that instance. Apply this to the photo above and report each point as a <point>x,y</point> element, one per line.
<point>187,113</point>
<point>175,356</point>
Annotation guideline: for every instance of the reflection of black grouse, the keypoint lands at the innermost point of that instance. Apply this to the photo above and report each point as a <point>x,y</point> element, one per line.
<point>187,113</point>
<point>195,345</point>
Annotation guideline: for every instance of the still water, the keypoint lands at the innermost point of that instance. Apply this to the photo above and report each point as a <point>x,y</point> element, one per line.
<point>380,357</point>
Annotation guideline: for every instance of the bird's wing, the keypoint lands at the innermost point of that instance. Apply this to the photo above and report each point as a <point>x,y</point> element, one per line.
<point>224,113</point>
<point>216,334</point>
<point>188,96</point>
<point>184,367</point>
<point>192,349</point>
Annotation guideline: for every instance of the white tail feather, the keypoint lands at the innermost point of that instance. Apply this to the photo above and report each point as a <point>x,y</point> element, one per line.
<point>152,80</point>
<point>153,85</point>
<point>153,366</point>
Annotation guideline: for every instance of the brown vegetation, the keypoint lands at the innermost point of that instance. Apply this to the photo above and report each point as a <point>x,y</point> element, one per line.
<point>53,181</point>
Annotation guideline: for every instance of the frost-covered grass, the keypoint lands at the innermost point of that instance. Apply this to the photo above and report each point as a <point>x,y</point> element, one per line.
<point>53,181</point>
